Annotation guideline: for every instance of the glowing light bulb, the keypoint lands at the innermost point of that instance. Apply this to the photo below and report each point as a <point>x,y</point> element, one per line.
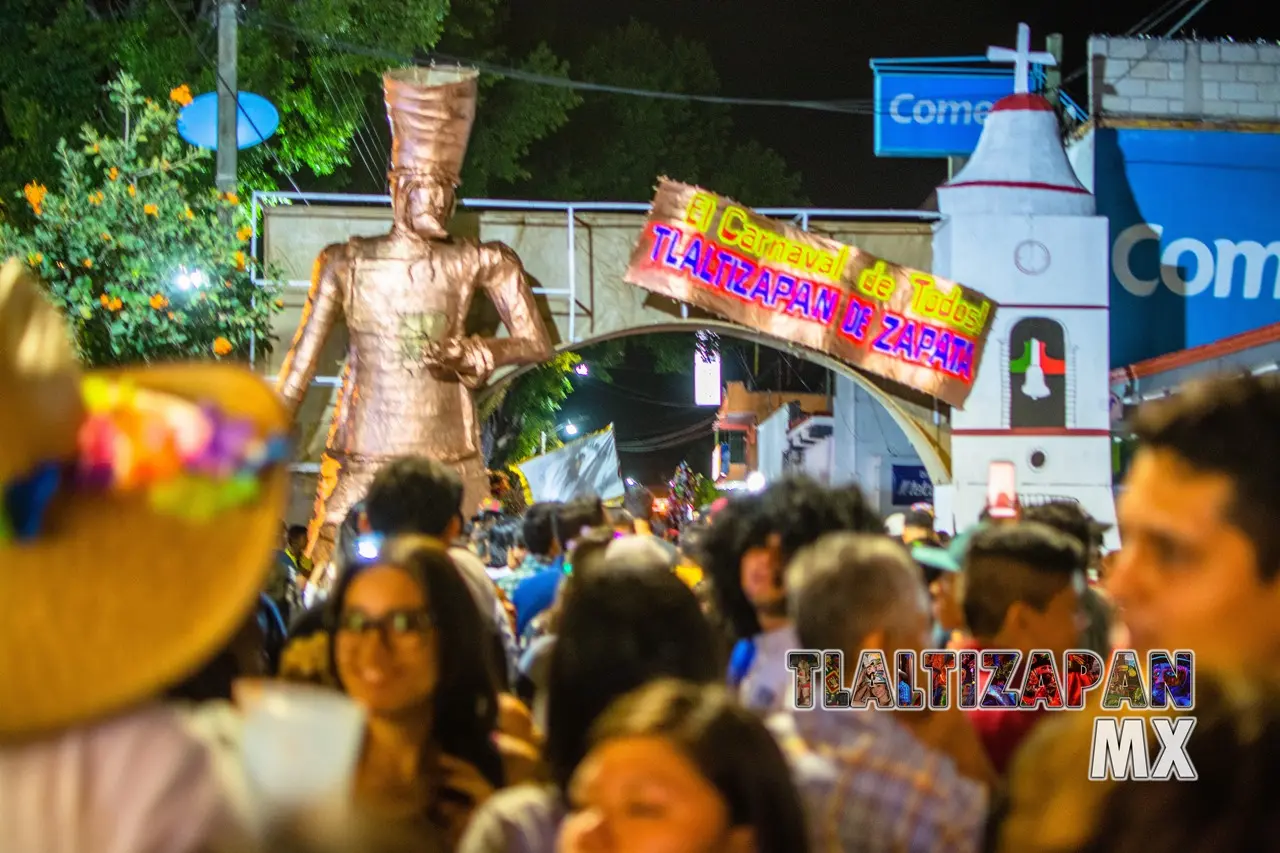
<point>755,481</point>
<point>367,548</point>
<point>570,429</point>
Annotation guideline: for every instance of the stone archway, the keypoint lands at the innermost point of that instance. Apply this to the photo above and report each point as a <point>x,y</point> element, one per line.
<point>931,442</point>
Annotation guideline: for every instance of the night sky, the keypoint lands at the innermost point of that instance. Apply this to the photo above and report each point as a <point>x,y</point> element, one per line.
<point>819,50</point>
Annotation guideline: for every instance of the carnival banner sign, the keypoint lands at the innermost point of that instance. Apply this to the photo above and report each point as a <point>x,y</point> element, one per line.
<point>902,324</point>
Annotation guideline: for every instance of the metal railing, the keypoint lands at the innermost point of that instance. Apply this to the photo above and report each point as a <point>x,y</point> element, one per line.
<point>799,216</point>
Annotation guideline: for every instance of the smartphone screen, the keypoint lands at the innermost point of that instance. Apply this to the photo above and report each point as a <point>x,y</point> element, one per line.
<point>1002,490</point>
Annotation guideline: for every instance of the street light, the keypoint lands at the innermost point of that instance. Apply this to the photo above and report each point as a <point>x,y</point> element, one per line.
<point>189,280</point>
<point>582,369</point>
<point>570,430</point>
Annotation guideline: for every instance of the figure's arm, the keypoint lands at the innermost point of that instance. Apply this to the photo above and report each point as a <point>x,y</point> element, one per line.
<point>502,277</point>
<point>322,309</point>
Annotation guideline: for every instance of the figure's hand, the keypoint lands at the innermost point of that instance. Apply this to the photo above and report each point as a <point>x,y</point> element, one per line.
<point>469,358</point>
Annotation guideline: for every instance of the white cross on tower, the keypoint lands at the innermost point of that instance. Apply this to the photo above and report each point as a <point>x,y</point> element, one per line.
<point>1022,59</point>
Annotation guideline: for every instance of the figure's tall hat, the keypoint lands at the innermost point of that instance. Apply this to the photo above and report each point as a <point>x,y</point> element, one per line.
<point>431,111</point>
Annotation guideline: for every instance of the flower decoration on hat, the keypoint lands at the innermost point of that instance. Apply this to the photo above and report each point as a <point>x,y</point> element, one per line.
<point>191,461</point>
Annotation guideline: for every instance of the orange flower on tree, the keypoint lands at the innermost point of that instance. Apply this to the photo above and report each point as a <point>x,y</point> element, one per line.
<point>150,210</point>
<point>111,303</point>
<point>244,233</point>
<point>133,190</point>
<point>35,194</point>
<point>97,198</point>
<point>159,302</point>
<point>35,259</point>
<point>241,261</point>
<point>173,316</point>
<point>113,173</point>
<point>104,300</point>
<point>188,213</point>
<point>232,198</point>
<point>221,346</point>
<point>181,95</point>
<point>106,238</point>
<point>88,263</point>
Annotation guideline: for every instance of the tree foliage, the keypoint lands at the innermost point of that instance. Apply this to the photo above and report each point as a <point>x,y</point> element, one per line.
<point>143,268</point>
<point>319,61</point>
<point>616,145</point>
<point>518,414</point>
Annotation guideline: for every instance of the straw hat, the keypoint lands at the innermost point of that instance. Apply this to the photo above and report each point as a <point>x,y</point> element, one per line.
<point>139,512</point>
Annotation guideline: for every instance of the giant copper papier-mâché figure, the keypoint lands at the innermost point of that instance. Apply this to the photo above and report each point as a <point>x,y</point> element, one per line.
<point>411,368</point>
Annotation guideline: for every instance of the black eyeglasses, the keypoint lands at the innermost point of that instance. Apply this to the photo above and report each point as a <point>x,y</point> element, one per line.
<point>396,626</point>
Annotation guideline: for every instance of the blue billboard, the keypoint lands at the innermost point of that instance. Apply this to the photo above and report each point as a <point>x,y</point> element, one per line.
<point>1195,236</point>
<point>922,112</point>
<point>911,485</point>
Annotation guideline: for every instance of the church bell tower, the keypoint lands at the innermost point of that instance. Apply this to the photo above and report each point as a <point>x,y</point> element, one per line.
<point>1019,227</point>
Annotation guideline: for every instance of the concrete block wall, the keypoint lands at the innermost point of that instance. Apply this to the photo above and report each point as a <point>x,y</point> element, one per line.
<point>1163,78</point>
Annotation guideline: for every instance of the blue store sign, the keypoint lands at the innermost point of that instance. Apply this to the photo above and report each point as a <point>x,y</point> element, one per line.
<point>933,111</point>
<point>911,485</point>
<point>1195,231</point>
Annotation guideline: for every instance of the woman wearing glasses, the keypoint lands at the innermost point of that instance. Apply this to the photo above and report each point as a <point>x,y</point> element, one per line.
<point>407,644</point>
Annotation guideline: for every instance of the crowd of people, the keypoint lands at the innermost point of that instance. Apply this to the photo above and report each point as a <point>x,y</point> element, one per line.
<point>572,680</point>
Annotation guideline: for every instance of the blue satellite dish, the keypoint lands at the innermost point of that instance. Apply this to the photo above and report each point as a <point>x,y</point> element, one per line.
<point>256,121</point>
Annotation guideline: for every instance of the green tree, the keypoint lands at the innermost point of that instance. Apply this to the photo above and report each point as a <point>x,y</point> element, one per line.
<point>318,61</point>
<point>142,267</point>
<point>518,414</point>
<point>616,145</point>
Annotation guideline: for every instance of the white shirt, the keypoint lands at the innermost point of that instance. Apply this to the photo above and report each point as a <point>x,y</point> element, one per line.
<point>139,783</point>
<point>764,687</point>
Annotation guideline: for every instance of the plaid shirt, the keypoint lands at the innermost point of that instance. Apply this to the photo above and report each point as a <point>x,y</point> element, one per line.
<point>870,787</point>
<point>532,565</point>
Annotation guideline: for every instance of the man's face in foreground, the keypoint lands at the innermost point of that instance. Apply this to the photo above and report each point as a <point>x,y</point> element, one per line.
<point>1188,577</point>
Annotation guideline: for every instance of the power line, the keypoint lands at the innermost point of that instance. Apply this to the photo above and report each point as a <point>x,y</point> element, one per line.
<point>1187,18</point>
<point>640,396</point>
<point>213,63</point>
<point>669,439</point>
<point>1144,27</point>
<point>1154,18</point>
<point>852,106</point>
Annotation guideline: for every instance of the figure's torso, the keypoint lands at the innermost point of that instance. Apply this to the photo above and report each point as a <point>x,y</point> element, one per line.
<point>401,295</point>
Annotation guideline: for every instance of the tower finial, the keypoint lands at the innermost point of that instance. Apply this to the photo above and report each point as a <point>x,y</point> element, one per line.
<point>1022,58</point>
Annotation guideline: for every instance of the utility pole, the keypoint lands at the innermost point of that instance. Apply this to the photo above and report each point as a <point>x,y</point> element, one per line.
<point>228,113</point>
<point>1053,74</point>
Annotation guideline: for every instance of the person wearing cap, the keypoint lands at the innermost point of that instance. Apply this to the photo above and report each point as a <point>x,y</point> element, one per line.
<point>942,577</point>
<point>917,527</point>
<point>106,476</point>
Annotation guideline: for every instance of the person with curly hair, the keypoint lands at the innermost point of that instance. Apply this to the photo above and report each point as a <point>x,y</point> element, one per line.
<point>745,553</point>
